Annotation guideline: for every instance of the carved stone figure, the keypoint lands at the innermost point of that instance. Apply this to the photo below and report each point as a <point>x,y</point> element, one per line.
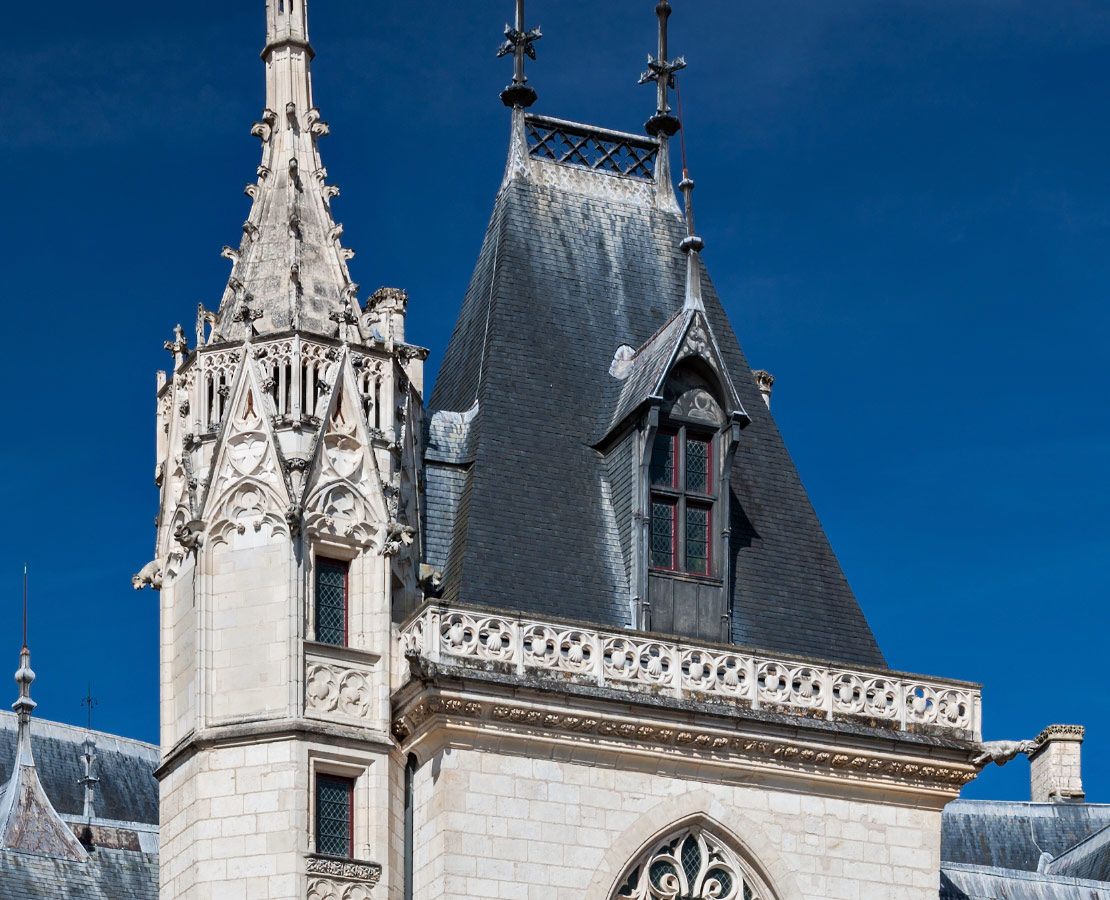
<point>1001,752</point>
<point>149,575</point>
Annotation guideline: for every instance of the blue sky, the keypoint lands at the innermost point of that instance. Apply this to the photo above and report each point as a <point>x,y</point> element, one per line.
<point>905,206</point>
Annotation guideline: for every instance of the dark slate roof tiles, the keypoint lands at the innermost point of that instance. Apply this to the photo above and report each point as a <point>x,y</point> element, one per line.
<point>1013,835</point>
<point>127,792</point>
<point>563,281</point>
<point>106,875</point>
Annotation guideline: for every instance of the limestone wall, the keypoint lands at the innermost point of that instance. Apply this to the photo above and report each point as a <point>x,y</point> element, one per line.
<point>491,826</point>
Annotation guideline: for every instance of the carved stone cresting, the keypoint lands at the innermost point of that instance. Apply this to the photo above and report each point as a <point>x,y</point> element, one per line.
<point>641,663</point>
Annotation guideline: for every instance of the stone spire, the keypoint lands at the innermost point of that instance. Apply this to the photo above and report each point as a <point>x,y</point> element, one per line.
<point>290,271</point>
<point>28,820</point>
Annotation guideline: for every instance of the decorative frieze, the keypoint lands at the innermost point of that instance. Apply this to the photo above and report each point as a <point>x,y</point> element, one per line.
<point>641,663</point>
<point>721,745</point>
<point>341,879</point>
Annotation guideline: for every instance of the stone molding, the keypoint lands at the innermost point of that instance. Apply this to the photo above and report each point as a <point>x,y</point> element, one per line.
<point>340,879</point>
<point>647,664</point>
<point>435,706</point>
<point>348,869</point>
<point>1058,733</point>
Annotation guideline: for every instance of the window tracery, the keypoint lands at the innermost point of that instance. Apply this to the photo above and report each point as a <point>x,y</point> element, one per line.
<point>693,865</point>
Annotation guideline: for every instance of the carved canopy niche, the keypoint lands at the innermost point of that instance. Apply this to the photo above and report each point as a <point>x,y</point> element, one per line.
<point>692,864</point>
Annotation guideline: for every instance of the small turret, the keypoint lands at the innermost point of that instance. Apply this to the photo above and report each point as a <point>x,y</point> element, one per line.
<point>28,821</point>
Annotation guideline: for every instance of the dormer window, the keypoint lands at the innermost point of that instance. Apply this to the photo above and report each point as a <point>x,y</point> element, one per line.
<point>685,558</point>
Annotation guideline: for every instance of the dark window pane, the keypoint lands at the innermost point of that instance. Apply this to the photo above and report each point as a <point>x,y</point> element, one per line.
<point>662,534</point>
<point>331,603</point>
<point>333,816</point>
<point>662,460</point>
<point>697,465</point>
<point>697,539</point>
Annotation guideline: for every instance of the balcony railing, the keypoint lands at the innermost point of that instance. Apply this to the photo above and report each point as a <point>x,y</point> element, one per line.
<point>643,663</point>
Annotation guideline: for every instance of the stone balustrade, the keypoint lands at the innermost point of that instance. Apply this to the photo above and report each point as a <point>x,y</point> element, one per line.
<point>640,662</point>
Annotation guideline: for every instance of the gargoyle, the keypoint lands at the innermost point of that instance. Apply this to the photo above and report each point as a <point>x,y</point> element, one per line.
<point>1001,752</point>
<point>189,535</point>
<point>397,536</point>
<point>431,580</point>
<point>149,575</point>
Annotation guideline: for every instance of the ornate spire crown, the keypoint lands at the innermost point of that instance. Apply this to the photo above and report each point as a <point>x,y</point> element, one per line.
<point>519,42</point>
<point>290,271</point>
<point>661,70</point>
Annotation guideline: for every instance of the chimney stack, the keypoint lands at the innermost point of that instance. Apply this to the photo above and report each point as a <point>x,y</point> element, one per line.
<point>765,381</point>
<point>1054,765</point>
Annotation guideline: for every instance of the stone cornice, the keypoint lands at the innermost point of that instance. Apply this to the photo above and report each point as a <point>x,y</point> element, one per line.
<point>275,730</point>
<point>1059,733</point>
<point>429,714</point>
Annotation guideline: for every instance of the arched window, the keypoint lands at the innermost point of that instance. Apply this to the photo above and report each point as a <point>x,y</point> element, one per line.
<point>691,865</point>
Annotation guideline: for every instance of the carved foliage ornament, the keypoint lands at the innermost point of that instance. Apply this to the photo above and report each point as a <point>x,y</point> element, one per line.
<point>692,866</point>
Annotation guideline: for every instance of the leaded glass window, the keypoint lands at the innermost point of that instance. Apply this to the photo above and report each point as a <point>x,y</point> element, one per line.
<point>662,533</point>
<point>663,459</point>
<point>693,865</point>
<point>334,809</point>
<point>697,538</point>
<point>698,476</point>
<point>682,501</point>
<point>331,602</point>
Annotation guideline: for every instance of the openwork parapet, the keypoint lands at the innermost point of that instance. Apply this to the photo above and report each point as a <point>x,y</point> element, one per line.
<point>572,144</point>
<point>640,662</point>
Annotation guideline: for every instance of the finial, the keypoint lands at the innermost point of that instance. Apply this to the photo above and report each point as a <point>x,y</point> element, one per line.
<point>25,676</point>
<point>89,702</point>
<point>519,42</point>
<point>661,70</point>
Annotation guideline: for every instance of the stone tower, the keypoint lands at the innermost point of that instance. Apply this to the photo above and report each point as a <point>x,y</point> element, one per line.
<point>287,529</point>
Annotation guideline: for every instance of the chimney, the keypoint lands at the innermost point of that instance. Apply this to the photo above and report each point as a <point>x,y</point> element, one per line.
<point>765,381</point>
<point>1054,765</point>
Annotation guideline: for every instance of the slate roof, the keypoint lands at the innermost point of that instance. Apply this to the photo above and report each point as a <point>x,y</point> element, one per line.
<point>127,792</point>
<point>106,875</point>
<point>981,883</point>
<point>1013,835</point>
<point>562,280</point>
<point>1089,859</point>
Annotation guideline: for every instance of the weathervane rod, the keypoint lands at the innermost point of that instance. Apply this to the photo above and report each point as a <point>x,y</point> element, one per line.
<point>25,607</point>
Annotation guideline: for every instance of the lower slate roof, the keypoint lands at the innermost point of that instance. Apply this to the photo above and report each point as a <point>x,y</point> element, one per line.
<point>128,790</point>
<point>982,883</point>
<point>1013,835</point>
<point>106,875</point>
<point>562,281</point>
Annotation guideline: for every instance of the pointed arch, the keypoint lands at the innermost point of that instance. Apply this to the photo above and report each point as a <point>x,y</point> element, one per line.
<point>342,496</point>
<point>690,863</point>
<point>702,810</point>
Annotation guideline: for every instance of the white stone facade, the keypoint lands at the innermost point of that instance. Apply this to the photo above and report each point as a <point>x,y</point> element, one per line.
<point>499,826</point>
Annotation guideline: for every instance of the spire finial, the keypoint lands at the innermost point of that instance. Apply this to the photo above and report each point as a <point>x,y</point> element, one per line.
<point>24,677</point>
<point>519,42</point>
<point>661,70</point>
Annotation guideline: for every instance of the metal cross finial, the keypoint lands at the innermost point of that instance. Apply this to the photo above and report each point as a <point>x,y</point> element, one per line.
<point>89,703</point>
<point>519,42</point>
<point>661,70</point>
